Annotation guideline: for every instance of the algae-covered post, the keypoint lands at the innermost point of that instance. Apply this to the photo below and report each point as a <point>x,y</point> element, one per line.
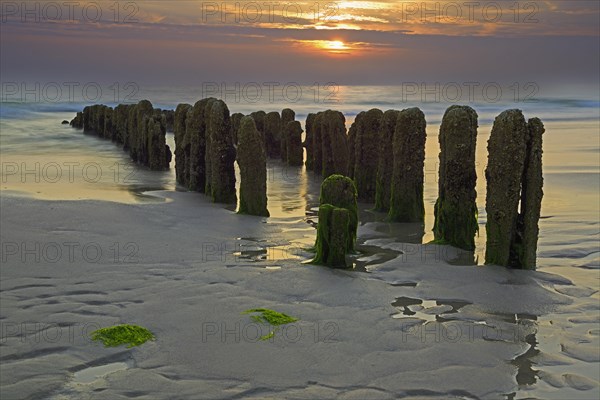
<point>506,159</point>
<point>334,146</point>
<point>385,167</point>
<point>109,129</point>
<point>77,122</point>
<point>182,144</point>
<point>133,126</point>
<point>332,236</point>
<point>205,107</point>
<point>137,129</point>
<point>351,149</point>
<point>273,134</point>
<point>196,139</point>
<point>158,153</point>
<point>455,209</point>
<point>93,119</point>
<point>531,197</point>
<point>121,115</point>
<point>169,119</point>
<point>236,119</point>
<point>221,153</point>
<point>514,174</point>
<point>308,140</point>
<point>295,152</point>
<point>86,118</point>
<point>318,143</point>
<point>260,120</point>
<point>366,156</point>
<point>287,115</point>
<point>252,161</point>
<point>340,191</point>
<point>406,204</point>
<point>338,221</point>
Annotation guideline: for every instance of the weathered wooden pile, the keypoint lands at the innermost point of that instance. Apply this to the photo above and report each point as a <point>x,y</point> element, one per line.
<point>379,160</point>
<point>338,221</point>
<point>384,153</point>
<point>204,149</point>
<point>514,190</point>
<point>139,128</point>
<point>252,160</point>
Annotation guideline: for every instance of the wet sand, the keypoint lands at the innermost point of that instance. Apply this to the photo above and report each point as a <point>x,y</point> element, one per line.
<point>411,320</point>
<point>415,326</point>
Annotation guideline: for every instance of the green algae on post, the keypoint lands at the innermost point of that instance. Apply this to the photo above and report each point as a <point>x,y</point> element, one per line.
<point>531,197</point>
<point>182,145</point>
<point>338,221</point>
<point>272,134</point>
<point>334,143</point>
<point>220,154</point>
<point>332,236</point>
<point>252,160</point>
<point>367,152</point>
<point>287,115</point>
<point>504,172</point>
<point>260,119</point>
<point>340,191</point>
<point>385,168</point>
<point>406,201</point>
<point>293,136</point>
<point>132,335</point>
<point>140,128</point>
<point>351,149</point>
<point>317,145</point>
<point>455,209</point>
<point>308,142</point>
<point>514,179</point>
<point>236,118</point>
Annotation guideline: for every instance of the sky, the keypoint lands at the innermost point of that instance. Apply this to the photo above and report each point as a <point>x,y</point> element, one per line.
<point>188,42</point>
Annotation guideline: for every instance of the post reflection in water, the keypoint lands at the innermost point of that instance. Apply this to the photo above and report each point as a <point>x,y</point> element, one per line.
<point>526,375</point>
<point>287,190</point>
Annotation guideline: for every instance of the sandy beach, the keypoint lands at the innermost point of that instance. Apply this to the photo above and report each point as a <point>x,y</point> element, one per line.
<point>410,320</point>
<point>178,268</point>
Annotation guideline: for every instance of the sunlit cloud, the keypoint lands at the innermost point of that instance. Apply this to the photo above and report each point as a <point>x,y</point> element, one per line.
<point>383,37</point>
<point>443,17</point>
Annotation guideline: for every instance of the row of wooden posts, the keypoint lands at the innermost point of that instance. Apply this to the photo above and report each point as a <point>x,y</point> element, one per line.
<point>380,160</point>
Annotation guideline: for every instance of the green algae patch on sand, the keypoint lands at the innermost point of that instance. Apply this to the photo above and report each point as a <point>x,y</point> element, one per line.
<point>271,317</point>
<point>114,336</point>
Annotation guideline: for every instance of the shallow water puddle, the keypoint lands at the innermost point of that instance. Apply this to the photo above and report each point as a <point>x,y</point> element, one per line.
<point>404,284</point>
<point>92,374</point>
<point>262,250</point>
<point>370,256</point>
<point>84,383</point>
<point>427,310</point>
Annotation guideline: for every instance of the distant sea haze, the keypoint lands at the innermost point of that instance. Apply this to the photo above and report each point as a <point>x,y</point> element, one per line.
<point>24,100</point>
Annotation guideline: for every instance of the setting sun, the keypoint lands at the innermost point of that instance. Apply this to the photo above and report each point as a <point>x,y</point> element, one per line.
<point>332,46</point>
<point>335,45</point>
